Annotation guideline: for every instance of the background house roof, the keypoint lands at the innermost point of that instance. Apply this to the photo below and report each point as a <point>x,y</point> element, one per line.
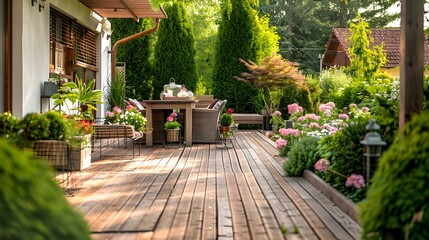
<point>390,38</point>
<point>124,8</point>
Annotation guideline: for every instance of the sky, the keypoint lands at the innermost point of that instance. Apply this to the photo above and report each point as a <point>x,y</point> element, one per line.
<point>396,8</point>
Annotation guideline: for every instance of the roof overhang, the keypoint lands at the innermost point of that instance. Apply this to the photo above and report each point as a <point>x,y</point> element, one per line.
<point>124,9</point>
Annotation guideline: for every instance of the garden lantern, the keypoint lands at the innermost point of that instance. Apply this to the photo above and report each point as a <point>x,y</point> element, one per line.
<point>372,149</point>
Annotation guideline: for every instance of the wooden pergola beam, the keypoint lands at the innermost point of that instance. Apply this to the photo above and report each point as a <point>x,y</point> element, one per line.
<point>411,60</point>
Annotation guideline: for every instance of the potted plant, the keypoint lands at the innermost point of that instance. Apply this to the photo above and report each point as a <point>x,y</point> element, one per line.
<point>226,120</point>
<point>172,128</point>
<point>84,95</point>
<point>47,141</point>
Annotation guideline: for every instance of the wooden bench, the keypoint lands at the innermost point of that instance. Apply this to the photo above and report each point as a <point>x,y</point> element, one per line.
<point>116,133</point>
<point>247,118</point>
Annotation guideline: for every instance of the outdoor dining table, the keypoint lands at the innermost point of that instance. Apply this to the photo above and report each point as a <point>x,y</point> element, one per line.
<point>151,105</point>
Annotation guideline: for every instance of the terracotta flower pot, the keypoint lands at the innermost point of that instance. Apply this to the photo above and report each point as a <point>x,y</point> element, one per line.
<point>223,129</point>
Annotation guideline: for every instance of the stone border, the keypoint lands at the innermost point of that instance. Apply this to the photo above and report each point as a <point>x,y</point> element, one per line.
<point>345,204</point>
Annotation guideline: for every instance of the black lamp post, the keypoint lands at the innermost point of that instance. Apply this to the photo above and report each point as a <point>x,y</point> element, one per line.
<point>372,149</point>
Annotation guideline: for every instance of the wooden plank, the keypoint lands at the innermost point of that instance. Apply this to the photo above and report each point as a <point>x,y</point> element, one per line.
<point>202,192</point>
<point>194,228</point>
<point>122,207</point>
<point>241,228</point>
<point>179,225</point>
<point>272,190</point>
<point>254,219</point>
<point>333,226</point>
<point>164,227</point>
<point>352,227</point>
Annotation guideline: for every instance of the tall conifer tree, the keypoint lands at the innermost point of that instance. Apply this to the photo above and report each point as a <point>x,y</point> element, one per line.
<point>175,50</point>
<point>238,38</point>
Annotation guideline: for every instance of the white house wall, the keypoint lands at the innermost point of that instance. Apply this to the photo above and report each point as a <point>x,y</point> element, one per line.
<point>30,51</point>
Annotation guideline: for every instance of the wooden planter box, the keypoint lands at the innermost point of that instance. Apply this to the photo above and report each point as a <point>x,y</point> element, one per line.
<point>53,151</point>
<point>63,155</point>
<point>80,154</point>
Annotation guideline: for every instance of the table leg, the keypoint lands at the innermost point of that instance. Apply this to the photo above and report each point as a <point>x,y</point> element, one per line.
<point>149,126</point>
<point>188,125</point>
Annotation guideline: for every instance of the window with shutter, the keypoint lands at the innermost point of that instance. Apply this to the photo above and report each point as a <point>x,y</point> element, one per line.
<point>73,47</point>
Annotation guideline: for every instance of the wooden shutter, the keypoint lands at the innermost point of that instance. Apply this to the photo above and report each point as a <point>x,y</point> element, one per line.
<point>85,47</point>
<point>60,29</point>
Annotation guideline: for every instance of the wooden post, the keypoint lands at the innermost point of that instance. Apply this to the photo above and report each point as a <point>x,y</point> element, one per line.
<point>411,60</point>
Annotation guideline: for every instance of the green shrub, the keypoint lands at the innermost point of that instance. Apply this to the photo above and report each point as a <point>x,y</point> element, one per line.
<point>34,126</point>
<point>302,155</point>
<point>59,127</point>
<point>345,153</point>
<point>398,197</point>
<point>8,124</point>
<point>32,205</point>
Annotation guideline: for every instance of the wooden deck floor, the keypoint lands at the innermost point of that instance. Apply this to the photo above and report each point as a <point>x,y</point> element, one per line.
<point>203,192</point>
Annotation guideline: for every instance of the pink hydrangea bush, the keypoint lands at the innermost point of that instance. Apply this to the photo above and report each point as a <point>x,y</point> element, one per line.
<point>355,180</point>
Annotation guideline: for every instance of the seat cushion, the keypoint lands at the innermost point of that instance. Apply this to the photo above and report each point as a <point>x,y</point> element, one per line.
<point>136,104</point>
<point>219,104</point>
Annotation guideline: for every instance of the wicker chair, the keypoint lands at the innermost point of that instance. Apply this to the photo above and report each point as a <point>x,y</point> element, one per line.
<point>205,124</point>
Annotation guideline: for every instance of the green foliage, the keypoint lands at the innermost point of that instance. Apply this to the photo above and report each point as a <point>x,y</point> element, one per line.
<point>172,125</point>
<point>136,55</point>
<point>426,93</point>
<point>364,62</point>
<point>305,26</point>
<point>134,118</point>
<point>226,119</point>
<point>115,93</point>
<point>295,94</point>
<point>83,94</point>
<point>238,38</point>
<point>270,77</point>
<point>204,17</point>
<point>269,37</point>
<point>59,126</point>
<point>32,204</point>
<point>344,151</point>
<point>398,197</point>
<point>8,124</point>
<point>35,126</point>
<point>354,93</point>
<point>332,83</point>
<point>175,50</point>
<point>302,155</point>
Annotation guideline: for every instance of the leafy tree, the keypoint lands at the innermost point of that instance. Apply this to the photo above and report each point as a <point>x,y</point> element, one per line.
<point>305,26</point>
<point>136,55</point>
<point>270,78</point>
<point>175,52</point>
<point>364,62</point>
